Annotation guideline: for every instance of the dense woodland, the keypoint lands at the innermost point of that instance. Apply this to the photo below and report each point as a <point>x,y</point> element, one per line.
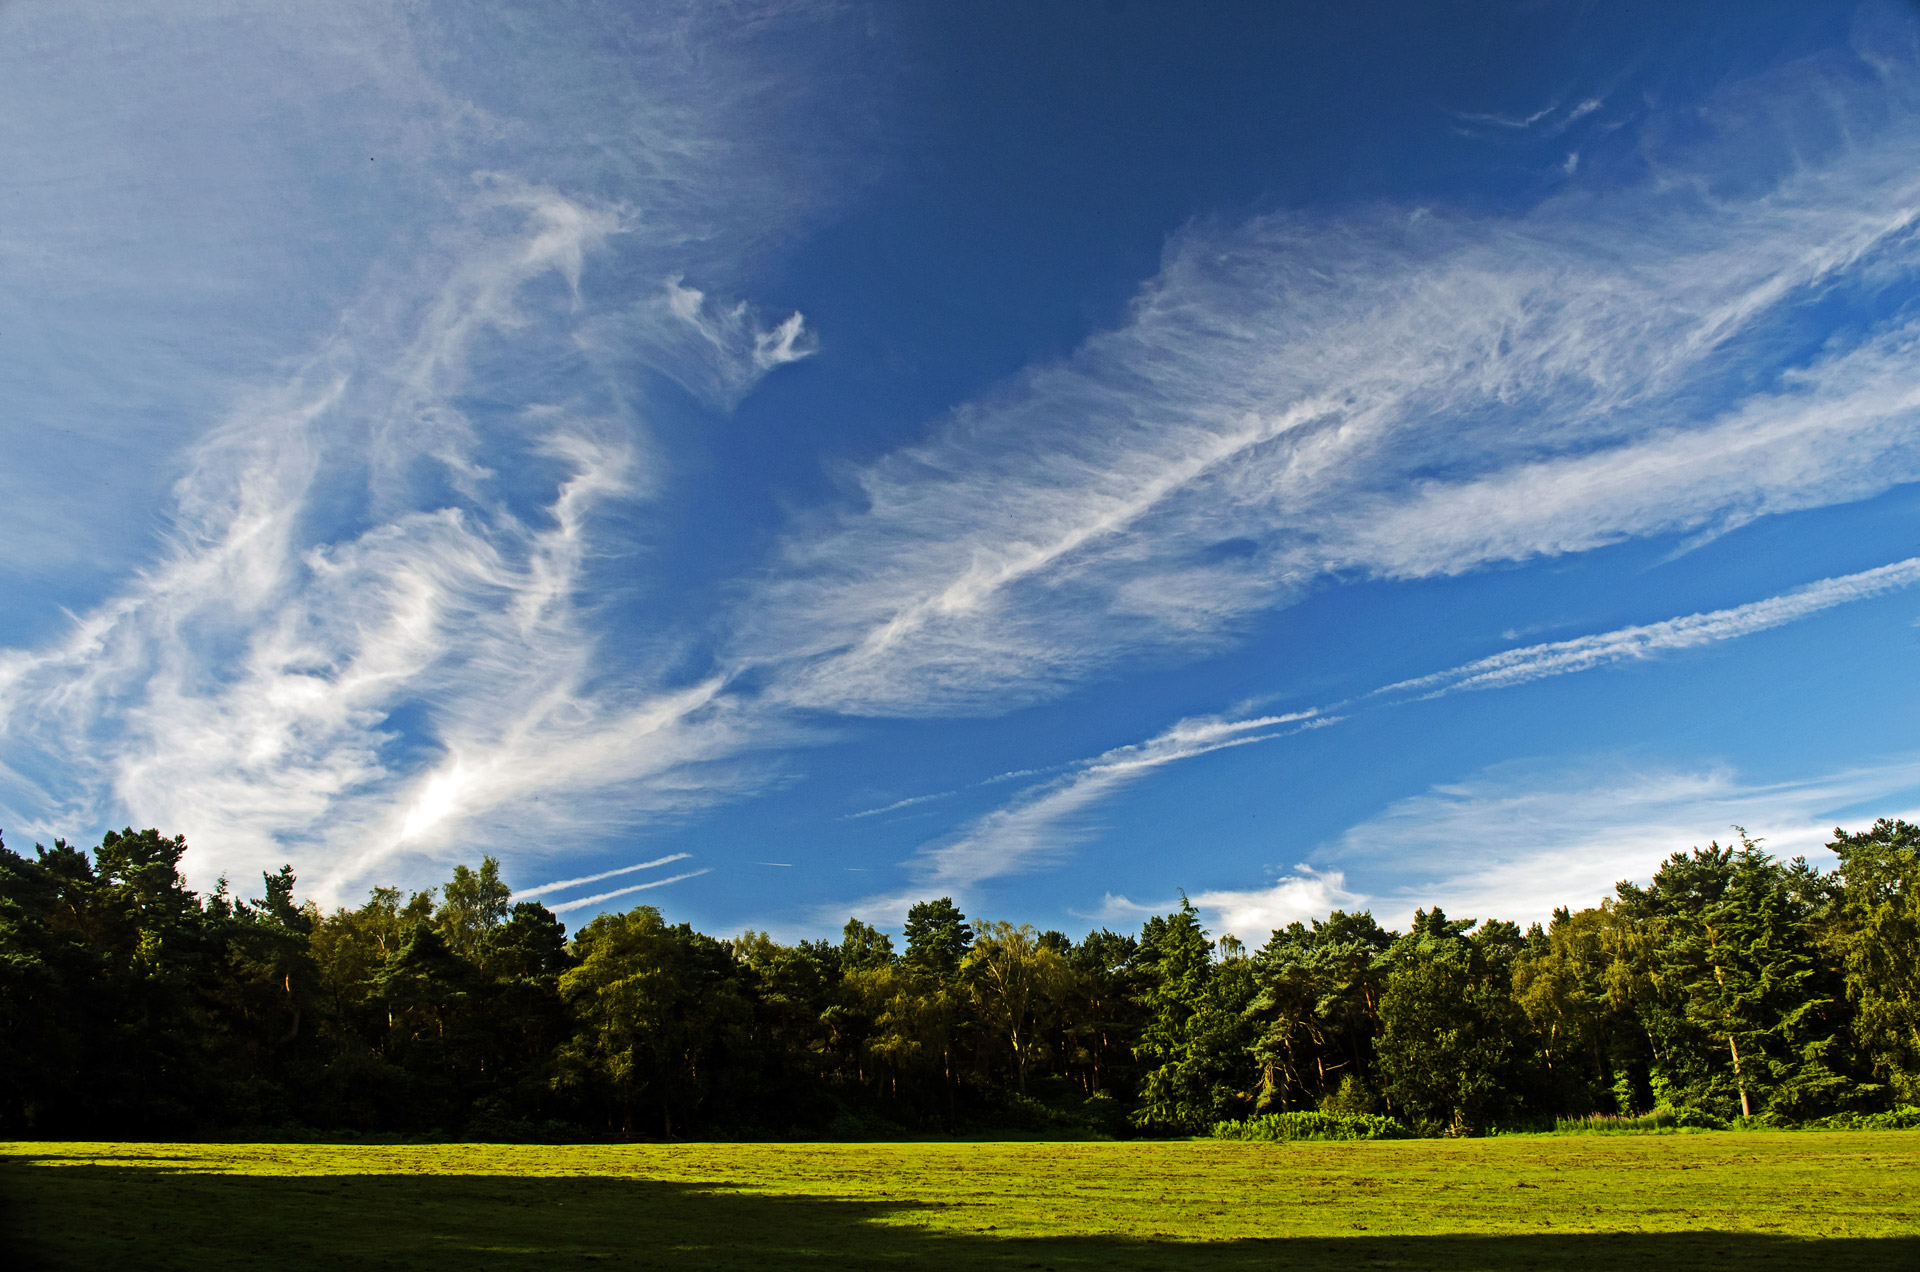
<point>1734,984</point>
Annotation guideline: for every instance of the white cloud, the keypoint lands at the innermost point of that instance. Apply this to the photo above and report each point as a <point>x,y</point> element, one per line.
<point>1560,657</point>
<point>1252,914</point>
<point>244,688</point>
<point>1294,401</point>
<point>372,631</point>
<point>562,885</point>
<point>1038,824</point>
<point>720,351</point>
<point>601,898</point>
<point>1517,841</point>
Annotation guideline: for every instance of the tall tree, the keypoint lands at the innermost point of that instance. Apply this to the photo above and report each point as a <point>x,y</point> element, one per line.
<point>1453,1046</point>
<point>864,946</point>
<point>1194,1039</point>
<point>1016,982</point>
<point>50,988</point>
<point>1877,936</point>
<point>1578,982</point>
<point>659,1007</point>
<point>1316,1008</point>
<point>938,936</point>
<point>1101,1016</point>
<point>1741,1017</point>
<point>474,902</point>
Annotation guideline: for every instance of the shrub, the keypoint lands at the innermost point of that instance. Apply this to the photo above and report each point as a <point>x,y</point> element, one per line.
<point>1904,1118</point>
<point>1661,1119</point>
<point>1281,1127</point>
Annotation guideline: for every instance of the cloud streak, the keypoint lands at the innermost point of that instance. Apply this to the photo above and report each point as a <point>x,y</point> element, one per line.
<point>1036,826</point>
<point>1388,396</point>
<point>563,884</point>
<point>1561,657</point>
<point>371,632</point>
<point>1518,840</point>
<point>601,898</point>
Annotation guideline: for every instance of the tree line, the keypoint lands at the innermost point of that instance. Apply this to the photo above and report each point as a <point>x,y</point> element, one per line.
<point>1734,984</point>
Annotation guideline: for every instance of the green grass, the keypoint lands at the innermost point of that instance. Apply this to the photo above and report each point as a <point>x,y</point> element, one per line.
<point>1725,1200</point>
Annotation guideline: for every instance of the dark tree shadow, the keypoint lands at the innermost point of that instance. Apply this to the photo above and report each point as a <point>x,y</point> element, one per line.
<point>150,1217</point>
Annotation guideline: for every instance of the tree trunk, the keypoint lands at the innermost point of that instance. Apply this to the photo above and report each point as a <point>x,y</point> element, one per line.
<point>1739,1079</point>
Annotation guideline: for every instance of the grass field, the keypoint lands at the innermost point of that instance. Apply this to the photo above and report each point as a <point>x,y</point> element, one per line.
<point>1736,1200</point>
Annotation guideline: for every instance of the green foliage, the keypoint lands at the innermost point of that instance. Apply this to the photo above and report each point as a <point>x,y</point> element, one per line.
<point>1102,1014</point>
<point>938,936</point>
<point>1734,989</point>
<point>864,947</point>
<point>1455,1047</point>
<point>1304,1125</point>
<point>1660,1119</point>
<point>1904,1118</point>
<point>659,1008</point>
<point>474,903</point>
<point>1316,1010</point>
<point>1742,1010</point>
<point>1876,932</point>
<point>1017,984</point>
<point>1196,1036</point>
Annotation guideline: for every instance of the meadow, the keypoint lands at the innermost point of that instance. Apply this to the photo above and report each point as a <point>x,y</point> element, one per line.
<point>1689,1201</point>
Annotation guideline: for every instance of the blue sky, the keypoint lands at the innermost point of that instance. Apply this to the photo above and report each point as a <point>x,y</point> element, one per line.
<point>778,461</point>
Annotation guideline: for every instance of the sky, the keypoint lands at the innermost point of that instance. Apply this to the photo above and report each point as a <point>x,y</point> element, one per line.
<point>784,461</point>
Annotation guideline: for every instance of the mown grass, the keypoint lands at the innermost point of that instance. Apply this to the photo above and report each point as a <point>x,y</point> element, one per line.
<point>1708,1201</point>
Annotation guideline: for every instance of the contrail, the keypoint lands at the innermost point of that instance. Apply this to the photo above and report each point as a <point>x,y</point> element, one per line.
<point>525,893</point>
<point>1557,658</point>
<point>621,892</point>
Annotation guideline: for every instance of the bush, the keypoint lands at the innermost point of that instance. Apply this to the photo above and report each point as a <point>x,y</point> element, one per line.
<point>1661,1119</point>
<point>1904,1118</point>
<point>1283,1127</point>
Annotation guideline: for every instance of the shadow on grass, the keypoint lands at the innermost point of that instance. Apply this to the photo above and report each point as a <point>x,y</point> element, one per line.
<point>73,1217</point>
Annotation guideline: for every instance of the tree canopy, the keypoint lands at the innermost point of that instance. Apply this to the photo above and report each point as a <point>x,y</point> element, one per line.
<point>1731,984</point>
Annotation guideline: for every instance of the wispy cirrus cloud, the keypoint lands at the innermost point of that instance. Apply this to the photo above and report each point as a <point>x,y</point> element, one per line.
<point>1036,826</point>
<point>1039,823</point>
<point>371,631</point>
<point>247,685</point>
<point>1393,394</point>
<point>1518,840</point>
<point>721,351</point>
<point>1560,657</point>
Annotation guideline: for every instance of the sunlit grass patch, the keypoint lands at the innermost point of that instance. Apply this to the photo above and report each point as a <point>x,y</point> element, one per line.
<point>1774,1199</point>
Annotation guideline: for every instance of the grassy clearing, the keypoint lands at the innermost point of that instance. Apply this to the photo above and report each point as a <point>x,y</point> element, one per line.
<point>1696,1201</point>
